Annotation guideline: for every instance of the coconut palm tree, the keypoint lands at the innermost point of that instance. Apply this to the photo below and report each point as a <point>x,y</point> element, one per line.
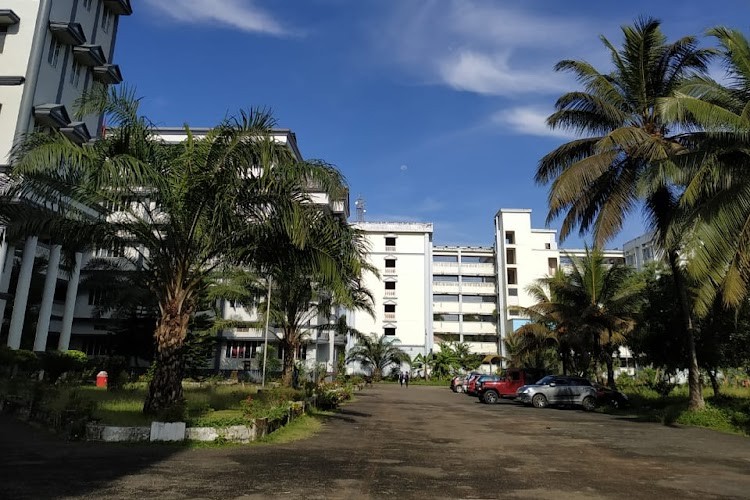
<point>717,119</point>
<point>626,152</point>
<point>377,353</point>
<point>180,211</point>
<point>588,309</point>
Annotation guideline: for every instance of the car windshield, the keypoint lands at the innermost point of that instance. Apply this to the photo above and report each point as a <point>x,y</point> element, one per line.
<point>546,380</point>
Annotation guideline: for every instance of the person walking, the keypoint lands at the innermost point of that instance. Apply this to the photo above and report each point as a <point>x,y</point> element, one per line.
<point>406,378</point>
<point>401,378</point>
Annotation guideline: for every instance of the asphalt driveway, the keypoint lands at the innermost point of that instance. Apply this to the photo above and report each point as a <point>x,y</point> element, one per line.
<point>394,442</point>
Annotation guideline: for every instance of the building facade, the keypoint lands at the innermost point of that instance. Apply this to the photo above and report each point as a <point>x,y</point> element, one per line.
<point>641,250</point>
<point>51,52</point>
<point>402,255</point>
<point>465,300</point>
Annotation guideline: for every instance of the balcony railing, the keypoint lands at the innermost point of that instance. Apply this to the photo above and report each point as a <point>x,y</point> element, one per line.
<point>390,293</point>
<point>390,248</point>
<point>390,270</point>
<point>389,316</point>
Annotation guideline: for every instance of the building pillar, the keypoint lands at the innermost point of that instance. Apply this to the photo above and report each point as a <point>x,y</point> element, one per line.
<point>331,350</point>
<point>45,310</point>
<point>70,304</point>
<point>5,274</point>
<point>22,293</point>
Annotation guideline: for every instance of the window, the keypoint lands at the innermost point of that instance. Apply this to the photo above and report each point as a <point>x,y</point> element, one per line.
<point>475,259</point>
<point>75,74</point>
<point>479,318</point>
<point>390,241</point>
<point>477,279</point>
<point>390,285</point>
<point>510,256</point>
<point>648,253</point>
<point>552,263</point>
<point>445,298</point>
<point>514,312</point>
<point>445,258</point>
<point>106,19</point>
<point>389,308</point>
<point>94,345</point>
<point>389,331</point>
<point>566,260</point>
<point>445,317</point>
<point>510,237</point>
<point>445,277</point>
<point>237,349</point>
<point>478,299</point>
<point>97,297</point>
<point>512,277</point>
<point>513,292</point>
<point>480,338</point>
<point>54,51</point>
<point>390,263</point>
<point>547,246</point>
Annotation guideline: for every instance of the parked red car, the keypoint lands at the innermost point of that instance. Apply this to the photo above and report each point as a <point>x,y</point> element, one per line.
<point>491,391</point>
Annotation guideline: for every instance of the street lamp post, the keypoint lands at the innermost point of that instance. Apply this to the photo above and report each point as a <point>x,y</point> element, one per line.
<point>265,333</point>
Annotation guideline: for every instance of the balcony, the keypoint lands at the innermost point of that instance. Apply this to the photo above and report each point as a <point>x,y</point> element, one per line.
<point>441,287</point>
<point>445,307</point>
<point>390,248</point>
<point>445,326</point>
<point>479,288</point>
<point>77,132</point>
<point>389,316</point>
<point>108,74</point>
<point>68,33</point>
<point>119,7</point>
<point>390,293</point>
<point>390,271</point>
<point>482,308</point>
<point>8,18</point>
<point>51,115</point>
<point>479,328</point>
<point>89,55</point>
<point>481,347</point>
<point>445,268</point>
<point>478,269</point>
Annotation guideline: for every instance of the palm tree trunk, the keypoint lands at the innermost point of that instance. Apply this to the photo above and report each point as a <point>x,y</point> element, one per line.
<point>165,389</point>
<point>288,365</point>
<point>610,370</point>
<point>695,395</point>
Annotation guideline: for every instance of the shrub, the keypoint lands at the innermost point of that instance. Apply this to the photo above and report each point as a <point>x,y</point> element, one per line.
<point>272,409</point>
<point>55,364</point>
<point>23,360</point>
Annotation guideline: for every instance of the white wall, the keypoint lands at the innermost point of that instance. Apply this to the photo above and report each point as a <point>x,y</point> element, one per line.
<point>14,60</point>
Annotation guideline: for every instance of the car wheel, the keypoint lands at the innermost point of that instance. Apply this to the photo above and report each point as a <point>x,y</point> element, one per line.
<point>539,401</point>
<point>589,403</point>
<point>459,388</point>
<point>490,397</point>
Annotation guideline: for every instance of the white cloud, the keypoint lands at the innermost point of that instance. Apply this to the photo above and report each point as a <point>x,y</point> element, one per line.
<point>243,15</point>
<point>485,74</point>
<point>529,120</point>
<point>484,47</point>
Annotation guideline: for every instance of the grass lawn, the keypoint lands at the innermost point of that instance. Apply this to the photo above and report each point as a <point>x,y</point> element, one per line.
<point>206,406</point>
<point>730,412</point>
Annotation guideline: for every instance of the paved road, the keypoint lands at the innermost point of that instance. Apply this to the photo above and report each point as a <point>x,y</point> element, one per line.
<point>420,442</point>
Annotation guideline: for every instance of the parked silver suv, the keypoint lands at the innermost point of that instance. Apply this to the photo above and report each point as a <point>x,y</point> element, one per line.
<point>558,390</point>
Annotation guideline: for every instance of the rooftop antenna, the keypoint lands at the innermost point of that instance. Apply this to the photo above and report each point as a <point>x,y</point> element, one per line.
<point>361,210</point>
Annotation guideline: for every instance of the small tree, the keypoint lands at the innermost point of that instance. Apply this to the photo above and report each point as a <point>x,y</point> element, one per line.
<point>377,354</point>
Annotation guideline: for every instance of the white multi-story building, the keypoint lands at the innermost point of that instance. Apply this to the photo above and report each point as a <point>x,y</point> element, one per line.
<point>641,250</point>
<point>402,254</point>
<point>524,255</point>
<point>51,51</point>
<point>464,295</point>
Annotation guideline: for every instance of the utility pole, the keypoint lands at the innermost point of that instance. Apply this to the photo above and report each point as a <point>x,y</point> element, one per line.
<point>265,333</point>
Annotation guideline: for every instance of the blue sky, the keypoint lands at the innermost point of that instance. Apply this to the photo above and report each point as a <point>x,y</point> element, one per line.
<point>433,109</point>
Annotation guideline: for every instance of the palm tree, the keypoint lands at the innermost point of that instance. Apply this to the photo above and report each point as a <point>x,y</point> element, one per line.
<point>377,353</point>
<point>310,280</point>
<point>590,308</point>
<point>716,118</point>
<point>533,345</point>
<point>626,153</point>
<point>181,210</point>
